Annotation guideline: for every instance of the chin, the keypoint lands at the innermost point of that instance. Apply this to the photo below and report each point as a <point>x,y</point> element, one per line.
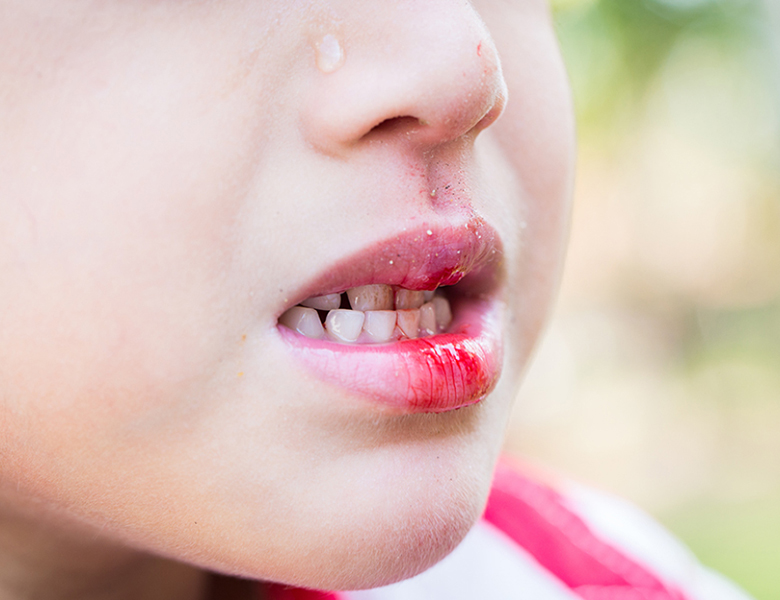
<point>407,552</point>
<point>393,548</point>
<point>407,513</point>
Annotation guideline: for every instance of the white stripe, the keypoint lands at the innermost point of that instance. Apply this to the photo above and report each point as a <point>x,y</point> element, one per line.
<point>486,566</point>
<point>643,540</point>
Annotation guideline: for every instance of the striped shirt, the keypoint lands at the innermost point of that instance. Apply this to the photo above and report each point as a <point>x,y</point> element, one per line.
<point>536,543</point>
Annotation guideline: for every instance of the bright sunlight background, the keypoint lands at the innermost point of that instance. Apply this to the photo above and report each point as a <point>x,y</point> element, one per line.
<point>659,378</point>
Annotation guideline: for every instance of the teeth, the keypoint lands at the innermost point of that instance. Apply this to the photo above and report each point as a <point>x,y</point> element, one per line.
<point>409,322</point>
<point>345,325</point>
<point>379,325</point>
<point>372,318</point>
<point>443,312</point>
<point>327,302</point>
<point>405,299</point>
<point>305,321</point>
<point>371,297</point>
<point>427,319</point>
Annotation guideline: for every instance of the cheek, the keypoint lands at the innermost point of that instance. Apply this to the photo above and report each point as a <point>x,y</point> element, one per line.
<point>115,257</point>
<point>124,302</point>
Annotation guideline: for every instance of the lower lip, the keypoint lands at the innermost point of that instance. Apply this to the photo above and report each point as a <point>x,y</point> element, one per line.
<point>427,375</point>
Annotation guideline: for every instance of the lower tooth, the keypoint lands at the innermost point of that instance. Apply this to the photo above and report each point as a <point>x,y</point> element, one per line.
<point>443,312</point>
<point>305,321</point>
<point>379,325</point>
<point>427,319</point>
<point>344,325</point>
<point>409,322</point>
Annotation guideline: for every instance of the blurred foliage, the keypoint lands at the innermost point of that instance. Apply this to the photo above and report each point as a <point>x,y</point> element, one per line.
<point>614,48</point>
<point>736,538</point>
<point>675,262</point>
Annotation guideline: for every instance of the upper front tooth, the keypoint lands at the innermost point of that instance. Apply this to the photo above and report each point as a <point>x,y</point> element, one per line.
<point>345,325</point>
<point>305,321</point>
<point>371,297</point>
<point>405,299</point>
<point>326,302</point>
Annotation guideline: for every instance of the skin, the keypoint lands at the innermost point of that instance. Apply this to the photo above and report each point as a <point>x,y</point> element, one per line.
<point>169,172</point>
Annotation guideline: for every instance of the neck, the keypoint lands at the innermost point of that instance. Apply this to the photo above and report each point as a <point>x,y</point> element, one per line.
<point>39,560</point>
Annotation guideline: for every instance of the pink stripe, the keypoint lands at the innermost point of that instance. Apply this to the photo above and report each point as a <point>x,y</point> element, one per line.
<point>536,518</point>
<point>282,592</point>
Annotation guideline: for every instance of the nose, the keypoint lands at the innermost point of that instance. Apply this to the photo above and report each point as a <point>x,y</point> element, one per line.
<point>425,73</point>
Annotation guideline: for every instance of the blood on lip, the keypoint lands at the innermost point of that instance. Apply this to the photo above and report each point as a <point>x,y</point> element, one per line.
<point>459,375</point>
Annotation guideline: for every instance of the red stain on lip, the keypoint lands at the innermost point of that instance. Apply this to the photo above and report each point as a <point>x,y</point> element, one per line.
<point>449,374</point>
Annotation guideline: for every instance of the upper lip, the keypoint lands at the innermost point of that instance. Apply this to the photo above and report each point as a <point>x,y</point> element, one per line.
<point>420,258</point>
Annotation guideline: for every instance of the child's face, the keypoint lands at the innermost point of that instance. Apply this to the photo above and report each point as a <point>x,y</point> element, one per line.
<point>175,175</point>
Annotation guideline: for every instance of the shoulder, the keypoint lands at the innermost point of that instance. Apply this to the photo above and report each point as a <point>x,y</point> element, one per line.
<point>549,542</point>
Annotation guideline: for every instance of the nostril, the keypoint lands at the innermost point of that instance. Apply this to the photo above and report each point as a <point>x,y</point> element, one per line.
<point>394,125</point>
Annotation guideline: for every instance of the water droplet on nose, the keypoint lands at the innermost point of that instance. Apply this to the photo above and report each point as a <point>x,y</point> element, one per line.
<point>330,54</point>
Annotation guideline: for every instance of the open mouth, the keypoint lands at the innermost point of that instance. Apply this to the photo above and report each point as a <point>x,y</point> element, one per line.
<point>411,324</point>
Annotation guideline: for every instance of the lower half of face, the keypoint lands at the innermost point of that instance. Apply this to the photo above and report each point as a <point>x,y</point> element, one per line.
<point>269,275</point>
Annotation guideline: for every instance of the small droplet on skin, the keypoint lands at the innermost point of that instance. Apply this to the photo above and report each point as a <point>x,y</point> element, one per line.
<point>433,193</point>
<point>429,232</point>
<point>330,55</point>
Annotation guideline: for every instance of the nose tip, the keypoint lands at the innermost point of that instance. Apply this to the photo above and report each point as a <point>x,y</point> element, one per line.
<point>427,79</point>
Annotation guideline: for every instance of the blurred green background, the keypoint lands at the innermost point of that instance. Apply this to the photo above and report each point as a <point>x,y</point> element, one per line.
<point>659,378</point>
